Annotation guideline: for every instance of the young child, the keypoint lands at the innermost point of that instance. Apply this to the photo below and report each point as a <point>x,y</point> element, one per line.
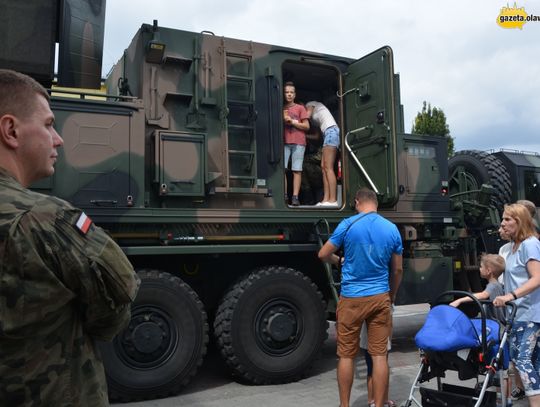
<point>295,120</point>
<point>369,366</point>
<point>491,267</point>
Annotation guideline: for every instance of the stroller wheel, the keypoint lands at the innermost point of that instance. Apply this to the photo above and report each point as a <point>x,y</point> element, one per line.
<point>406,404</point>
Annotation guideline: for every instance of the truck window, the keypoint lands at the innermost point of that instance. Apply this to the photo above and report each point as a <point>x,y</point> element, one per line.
<point>531,181</point>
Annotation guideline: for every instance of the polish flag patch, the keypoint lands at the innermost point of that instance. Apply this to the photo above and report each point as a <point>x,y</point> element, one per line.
<point>84,223</point>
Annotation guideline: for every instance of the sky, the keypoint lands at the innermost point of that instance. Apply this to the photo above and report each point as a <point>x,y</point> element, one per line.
<point>450,53</point>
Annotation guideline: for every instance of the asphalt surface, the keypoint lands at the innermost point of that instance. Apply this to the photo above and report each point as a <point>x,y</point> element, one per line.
<point>213,386</point>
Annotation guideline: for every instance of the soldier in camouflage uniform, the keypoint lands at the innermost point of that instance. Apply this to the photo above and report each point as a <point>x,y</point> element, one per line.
<point>63,282</point>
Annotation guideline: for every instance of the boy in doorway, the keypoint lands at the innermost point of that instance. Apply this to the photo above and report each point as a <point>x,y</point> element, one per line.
<point>296,124</point>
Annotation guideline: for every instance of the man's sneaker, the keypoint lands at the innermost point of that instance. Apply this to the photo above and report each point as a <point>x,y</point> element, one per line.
<point>295,201</point>
<point>518,393</point>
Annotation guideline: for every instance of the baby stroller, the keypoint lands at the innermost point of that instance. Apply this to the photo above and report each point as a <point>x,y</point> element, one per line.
<point>449,340</point>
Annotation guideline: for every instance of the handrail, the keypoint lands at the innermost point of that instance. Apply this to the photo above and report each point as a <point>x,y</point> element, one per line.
<point>371,183</point>
<point>56,92</point>
<point>272,134</point>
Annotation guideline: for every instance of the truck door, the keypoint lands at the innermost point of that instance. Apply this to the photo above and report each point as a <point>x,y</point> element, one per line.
<point>370,125</point>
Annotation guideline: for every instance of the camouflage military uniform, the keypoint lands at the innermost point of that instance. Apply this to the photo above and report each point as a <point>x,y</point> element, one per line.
<point>60,290</point>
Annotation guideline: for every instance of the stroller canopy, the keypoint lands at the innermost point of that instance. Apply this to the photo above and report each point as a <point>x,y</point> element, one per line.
<point>447,329</point>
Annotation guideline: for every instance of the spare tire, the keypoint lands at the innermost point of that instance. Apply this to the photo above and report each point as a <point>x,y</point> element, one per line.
<point>481,168</point>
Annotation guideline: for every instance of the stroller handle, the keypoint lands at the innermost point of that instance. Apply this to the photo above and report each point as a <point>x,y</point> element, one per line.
<point>511,304</point>
<point>479,303</point>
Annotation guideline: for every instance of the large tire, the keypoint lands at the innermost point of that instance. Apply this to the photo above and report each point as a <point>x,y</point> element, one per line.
<point>271,326</point>
<point>481,168</point>
<point>164,344</point>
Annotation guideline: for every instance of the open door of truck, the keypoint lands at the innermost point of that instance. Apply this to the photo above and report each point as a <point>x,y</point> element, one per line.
<point>370,125</point>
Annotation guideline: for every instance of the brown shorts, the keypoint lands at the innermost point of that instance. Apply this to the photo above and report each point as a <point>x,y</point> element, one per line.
<point>351,314</point>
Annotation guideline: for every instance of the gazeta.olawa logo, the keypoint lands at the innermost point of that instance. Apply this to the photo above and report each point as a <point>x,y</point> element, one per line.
<point>514,17</point>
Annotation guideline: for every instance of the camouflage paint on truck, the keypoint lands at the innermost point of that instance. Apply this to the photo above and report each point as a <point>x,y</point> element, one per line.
<point>182,163</point>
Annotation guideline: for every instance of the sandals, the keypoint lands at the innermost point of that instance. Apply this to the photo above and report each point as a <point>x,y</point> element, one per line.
<point>389,403</point>
<point>518,393</point>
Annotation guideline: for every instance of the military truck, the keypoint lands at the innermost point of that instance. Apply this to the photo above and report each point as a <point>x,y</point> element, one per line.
<point>181,161</point>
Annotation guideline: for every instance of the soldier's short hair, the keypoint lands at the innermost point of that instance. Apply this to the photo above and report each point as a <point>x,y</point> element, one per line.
<point>531,207</point>
<point>366,194</point>
<point>495,262</point>
<point>17,93</point>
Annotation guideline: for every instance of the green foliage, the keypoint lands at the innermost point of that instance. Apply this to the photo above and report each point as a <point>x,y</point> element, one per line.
<point>432,121</point>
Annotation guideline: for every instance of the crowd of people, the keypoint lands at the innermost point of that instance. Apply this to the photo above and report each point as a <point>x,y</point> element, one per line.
<point>514,275</point>
<point>53,343</point>
<point>371,274</point>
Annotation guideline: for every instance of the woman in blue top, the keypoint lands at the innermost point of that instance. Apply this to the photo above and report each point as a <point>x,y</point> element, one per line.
<point>521,282</point>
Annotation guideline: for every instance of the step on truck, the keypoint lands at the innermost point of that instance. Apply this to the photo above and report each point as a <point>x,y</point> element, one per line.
<point>180,159</point>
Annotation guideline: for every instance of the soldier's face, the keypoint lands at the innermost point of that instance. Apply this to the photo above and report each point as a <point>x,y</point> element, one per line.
<point>38,141</point>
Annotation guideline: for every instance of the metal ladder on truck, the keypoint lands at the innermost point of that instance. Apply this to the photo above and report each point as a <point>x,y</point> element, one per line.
<point>238,118</point>
<point>333,273</point>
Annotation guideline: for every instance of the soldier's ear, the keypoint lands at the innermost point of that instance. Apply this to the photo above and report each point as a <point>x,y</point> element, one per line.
<point>8,131</point>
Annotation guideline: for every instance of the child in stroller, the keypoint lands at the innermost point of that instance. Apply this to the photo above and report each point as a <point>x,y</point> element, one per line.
<point>449,340</point>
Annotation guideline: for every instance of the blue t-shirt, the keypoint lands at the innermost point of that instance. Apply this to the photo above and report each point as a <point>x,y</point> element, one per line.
<point>368,246</point>
<point>515,275</point>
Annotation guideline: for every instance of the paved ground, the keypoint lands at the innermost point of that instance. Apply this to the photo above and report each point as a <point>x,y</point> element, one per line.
<point>212,387</point>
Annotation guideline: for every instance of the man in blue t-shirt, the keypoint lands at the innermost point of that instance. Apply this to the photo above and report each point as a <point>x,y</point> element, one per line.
<point>372,268</point>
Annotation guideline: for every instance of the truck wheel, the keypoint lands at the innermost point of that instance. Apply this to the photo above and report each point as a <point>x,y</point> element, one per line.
<point>164,344</point>
<point>481,168</point>
<point>271,326</point>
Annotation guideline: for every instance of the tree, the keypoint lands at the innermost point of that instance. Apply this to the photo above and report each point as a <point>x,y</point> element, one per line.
<point>432,121</point>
